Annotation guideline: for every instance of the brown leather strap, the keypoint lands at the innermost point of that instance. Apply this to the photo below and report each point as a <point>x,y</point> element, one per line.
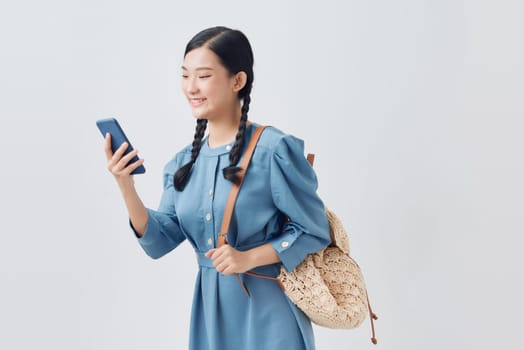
<point>311,158</point>
<point>232,198</point>
<point>259,275</point>
<point>372,316</point>
<point>233,194</point>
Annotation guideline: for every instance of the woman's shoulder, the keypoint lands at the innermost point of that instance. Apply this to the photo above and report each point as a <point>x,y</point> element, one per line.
<point>274,139</point>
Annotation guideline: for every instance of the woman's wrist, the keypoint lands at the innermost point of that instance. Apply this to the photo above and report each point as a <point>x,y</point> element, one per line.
<point>251,258</point>
<point>262,255</point>
<point>126,185</point>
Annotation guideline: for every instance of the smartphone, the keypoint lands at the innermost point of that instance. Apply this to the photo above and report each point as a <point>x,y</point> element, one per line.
<point>118,137</point>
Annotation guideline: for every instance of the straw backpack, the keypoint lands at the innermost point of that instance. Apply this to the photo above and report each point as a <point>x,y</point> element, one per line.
<point>328,285</point>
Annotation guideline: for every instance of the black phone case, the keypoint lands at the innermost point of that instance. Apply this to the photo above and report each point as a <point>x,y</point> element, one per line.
<point>118,137</point>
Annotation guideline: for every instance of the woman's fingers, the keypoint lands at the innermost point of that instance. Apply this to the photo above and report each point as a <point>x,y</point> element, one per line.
<point>131,167</point>
<point>219,254</point>
<point>128,168</point>
<point>210,253</point>
<point>124,167</point>
<point>216,255</point>
<point>218,259</point>
<point>107,147</point>
<point>222,268</point>
<point>228,260</point>
<point>119,152</point>
<point>112,163</point>
<point>221,263</point>
<point>121,164</point>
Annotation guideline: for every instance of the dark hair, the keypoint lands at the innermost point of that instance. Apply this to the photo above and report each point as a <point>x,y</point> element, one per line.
<point>234,51</point>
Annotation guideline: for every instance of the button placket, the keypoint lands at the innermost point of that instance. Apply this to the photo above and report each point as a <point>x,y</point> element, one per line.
<point>208,207</point>
<point>208,217</point>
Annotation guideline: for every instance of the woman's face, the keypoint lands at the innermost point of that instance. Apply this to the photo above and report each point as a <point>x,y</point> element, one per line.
<point>208,86</point>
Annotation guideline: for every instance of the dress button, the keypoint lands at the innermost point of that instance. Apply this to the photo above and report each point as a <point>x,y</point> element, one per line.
<point>284,244</point>
<point>210,192</point>
<point>228,147</point>
<point>209,241</point>
<point>208,216</point>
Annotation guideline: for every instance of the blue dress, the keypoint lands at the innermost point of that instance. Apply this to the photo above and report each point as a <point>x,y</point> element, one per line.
<point>279,183</point>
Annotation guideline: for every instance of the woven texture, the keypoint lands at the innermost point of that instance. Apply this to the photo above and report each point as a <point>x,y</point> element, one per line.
<point>328,285</point>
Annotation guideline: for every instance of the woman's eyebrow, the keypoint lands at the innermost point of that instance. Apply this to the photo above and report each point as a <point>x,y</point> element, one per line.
<point>199,68</point>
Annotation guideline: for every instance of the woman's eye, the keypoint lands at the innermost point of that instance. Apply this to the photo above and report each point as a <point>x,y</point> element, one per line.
<point>204,76</point>
<point>184,76</point>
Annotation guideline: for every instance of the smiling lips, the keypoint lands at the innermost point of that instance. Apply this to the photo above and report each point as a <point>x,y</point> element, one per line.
<point>196,102</point>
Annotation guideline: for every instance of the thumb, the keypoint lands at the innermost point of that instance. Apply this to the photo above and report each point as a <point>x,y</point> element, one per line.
<point>210,252</point>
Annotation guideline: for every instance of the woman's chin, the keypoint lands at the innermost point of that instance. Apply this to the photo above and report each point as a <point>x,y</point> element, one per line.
<point>199,115</point>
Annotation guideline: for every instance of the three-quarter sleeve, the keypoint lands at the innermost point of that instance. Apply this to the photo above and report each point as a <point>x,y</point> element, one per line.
<point>163,232</point>
<point>293,187</point>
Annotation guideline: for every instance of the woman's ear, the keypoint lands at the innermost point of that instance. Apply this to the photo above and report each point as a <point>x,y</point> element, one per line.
<point>240,80</point>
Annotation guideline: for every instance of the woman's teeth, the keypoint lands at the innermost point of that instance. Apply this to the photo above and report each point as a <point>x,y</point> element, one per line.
<point>197,101</point>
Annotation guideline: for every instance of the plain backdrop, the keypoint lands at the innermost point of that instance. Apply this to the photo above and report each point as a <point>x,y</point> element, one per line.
<point>414,109</point>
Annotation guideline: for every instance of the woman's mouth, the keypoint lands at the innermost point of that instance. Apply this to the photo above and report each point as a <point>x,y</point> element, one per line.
<point>196,102</point>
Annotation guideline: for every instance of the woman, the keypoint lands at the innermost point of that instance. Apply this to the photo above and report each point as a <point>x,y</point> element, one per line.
<point>217,77</point>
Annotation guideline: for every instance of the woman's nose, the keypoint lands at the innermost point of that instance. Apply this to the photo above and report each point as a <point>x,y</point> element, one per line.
<point>190,86</point>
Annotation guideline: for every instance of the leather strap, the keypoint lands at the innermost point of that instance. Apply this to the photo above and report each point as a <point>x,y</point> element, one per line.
<point>311,158</point>
<point>233,193</point>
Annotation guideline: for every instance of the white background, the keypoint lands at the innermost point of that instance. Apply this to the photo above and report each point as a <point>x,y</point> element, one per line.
<point>414,109</point>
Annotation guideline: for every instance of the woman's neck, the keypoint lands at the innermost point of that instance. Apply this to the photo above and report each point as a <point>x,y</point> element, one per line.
<point>222,130</point>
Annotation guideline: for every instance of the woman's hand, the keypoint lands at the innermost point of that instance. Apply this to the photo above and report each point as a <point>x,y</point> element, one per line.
<point>227,260</point>
<point>116,163</point>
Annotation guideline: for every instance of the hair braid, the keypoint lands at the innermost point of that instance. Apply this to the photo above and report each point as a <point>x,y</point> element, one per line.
<point>182,175</point>
<point>231,172</point>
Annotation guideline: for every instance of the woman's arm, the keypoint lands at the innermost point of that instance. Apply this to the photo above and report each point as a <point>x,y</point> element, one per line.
<point>137,211</point>
<point>116,164</point>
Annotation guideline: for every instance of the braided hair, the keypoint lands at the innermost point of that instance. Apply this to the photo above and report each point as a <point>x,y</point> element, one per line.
<point>234,52</point>
<point>182,175</point>
<point>231,172</point>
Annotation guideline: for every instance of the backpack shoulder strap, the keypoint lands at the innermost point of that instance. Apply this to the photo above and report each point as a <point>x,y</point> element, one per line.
<point>311,158</point>
<point>235,188</point>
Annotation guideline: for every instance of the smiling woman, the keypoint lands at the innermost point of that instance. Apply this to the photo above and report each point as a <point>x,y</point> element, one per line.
<point>217,77</point>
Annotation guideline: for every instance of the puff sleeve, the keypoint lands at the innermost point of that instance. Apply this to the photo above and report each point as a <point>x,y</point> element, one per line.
<point>163,232</point>
<point>293,187</point>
